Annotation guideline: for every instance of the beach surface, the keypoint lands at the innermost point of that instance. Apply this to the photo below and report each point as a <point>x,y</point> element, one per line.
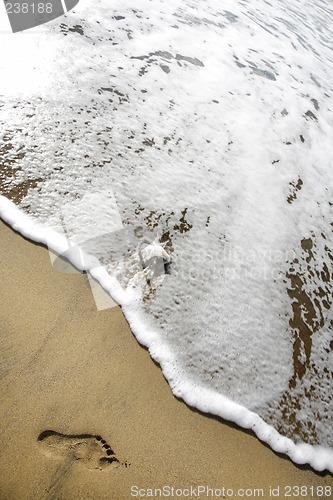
<point>86,413</point>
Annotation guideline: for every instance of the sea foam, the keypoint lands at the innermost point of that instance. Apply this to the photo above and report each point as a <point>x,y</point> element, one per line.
<point>184,151</point>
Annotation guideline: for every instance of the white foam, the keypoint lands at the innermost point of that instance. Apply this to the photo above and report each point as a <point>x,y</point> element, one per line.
<point>199,122</point>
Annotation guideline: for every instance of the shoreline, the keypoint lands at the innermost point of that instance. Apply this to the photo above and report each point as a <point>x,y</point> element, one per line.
<point>80,373</point>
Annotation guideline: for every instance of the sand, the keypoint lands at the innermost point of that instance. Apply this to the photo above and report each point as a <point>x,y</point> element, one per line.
<point>79,373</point>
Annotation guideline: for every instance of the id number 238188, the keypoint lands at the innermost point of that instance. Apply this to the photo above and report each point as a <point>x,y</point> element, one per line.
<point>28,8</point>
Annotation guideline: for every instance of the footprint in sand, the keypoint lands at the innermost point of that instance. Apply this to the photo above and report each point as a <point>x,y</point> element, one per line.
<point>92,451</point>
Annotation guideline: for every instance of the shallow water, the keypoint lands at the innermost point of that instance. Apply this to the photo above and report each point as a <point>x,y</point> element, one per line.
<point>188,150</point>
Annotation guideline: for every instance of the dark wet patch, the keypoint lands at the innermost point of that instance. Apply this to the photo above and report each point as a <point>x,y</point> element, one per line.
<point>310,288</point>
<point>165,68</point>
<point>162,53</point>
<point>121,97</point>
<point>232,18</point>
<point>315,103</point>
<point>155,218</point>
<point>7,172</point>
<point>77,28</point>
<point>311,115</point>
<point>184,226</point>
<point>18,192</point>
<point>149,142</point>
<point>143,70</point>
<point>258,71</point>
<point>264,73</point>
<point>294,189</point>
<point>167,242</point>
<point>303,325</point>
<point>191,60</point>
<point>315,81</point>
<point>9,186</point>
<point>239,64</point>
<point>237,61</point>
<point>154,57</point>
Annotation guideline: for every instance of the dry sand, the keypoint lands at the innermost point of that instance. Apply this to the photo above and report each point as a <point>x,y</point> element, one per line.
<point>68,368</point>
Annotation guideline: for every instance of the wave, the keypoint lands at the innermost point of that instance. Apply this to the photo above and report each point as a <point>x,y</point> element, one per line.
<point>181,154</point>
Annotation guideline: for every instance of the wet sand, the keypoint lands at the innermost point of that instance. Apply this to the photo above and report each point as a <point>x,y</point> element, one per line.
<point>86,414</point>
